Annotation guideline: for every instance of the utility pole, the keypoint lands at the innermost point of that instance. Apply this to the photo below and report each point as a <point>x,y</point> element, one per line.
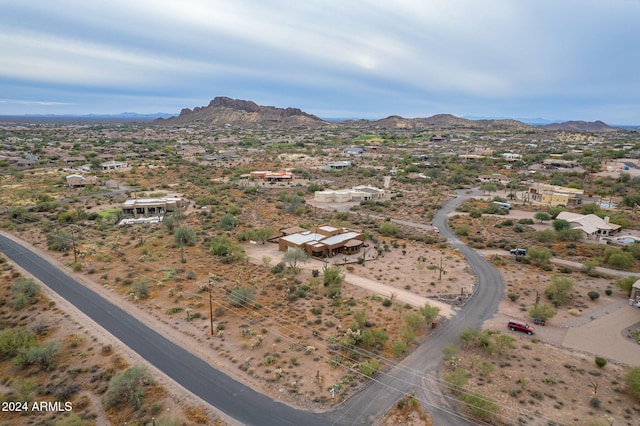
<point>212,280</point>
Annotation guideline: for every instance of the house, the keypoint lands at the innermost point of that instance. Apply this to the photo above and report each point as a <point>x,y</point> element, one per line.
<point>337,165</point>
<point>357,193</point>
<point>75,181</point>
<point>143,207</point>
<point>323,241</point>
<point>510,156</point>
<point>558,162</point>
<point>272,176</point>
<point>353,151</point>
<point>494,178</point>
<point>113,165</point>
<point>554,195</point>
<point>590,224</point>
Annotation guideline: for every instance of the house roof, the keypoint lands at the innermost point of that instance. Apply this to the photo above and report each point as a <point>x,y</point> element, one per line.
<point>340,238</point>
<point>589,223</point>
<point>303,237</point>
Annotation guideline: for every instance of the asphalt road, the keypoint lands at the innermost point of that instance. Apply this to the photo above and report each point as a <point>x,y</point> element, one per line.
<point>416,375</point>
<point>233,398</point>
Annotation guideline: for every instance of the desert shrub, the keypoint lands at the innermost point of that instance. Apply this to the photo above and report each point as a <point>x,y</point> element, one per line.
<point>625,284</point>
<point>128,387</point>
<point>24,291</point>
<point>14,341</point>
<point>545,236</point>
<point>539,256</point>
<point>279,267</point>
<point>456,379</point>
<point>608,292</point>
<point>594,402</point>
<point>633,381</point>
<point>475,213</point>
<point>369,368</point>
<point>479,405</point>
<point>543,311</point>
<point>43,356</point>
<point>600,362</point>
<point>242,296</point>
<point>559,291</point>
<point>462,230</point>
<point>333,276</point>
<point>593,295</point>
<point>388,229</point>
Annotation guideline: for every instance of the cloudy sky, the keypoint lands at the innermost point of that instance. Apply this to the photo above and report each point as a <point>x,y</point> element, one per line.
<point>556,59</point>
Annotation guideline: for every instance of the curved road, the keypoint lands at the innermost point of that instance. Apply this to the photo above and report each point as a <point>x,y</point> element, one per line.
<point>416,375</point>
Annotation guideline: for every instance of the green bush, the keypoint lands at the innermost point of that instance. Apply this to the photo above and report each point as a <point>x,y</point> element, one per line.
<point>593,295</point>
<point>600,362</point>
<point>25,291</point>
<point>128,387</point>
<point>242,296</point>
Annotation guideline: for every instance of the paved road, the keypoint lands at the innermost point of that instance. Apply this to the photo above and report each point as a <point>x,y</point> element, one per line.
<point>418,373</point>
<point>213,386</point>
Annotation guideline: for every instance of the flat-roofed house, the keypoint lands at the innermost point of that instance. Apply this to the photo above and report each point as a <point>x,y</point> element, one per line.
<point>554,195</point>
<point>75,180</point>
<point>145,207</point>
<point>324,241</point>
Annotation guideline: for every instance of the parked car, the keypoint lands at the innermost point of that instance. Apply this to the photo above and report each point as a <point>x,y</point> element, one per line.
<point>436,230</point>
<point>521,326</point>
<point>518,252</point>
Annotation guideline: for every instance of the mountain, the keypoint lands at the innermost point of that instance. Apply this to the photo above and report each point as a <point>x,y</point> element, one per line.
<point>580,126</point>
<point>448,121</point>
<point>223,111</point>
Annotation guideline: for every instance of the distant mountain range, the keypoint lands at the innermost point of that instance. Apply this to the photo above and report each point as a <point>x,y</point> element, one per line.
<point>227,112</point>
<point>223,111</point>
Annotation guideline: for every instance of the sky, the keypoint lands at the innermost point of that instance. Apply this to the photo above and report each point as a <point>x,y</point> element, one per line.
<point>554,59</point>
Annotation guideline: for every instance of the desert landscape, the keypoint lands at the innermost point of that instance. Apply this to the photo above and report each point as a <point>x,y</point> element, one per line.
<point>316,333</point>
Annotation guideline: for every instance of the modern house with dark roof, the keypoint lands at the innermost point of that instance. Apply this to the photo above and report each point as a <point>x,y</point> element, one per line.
<point>323,241</point>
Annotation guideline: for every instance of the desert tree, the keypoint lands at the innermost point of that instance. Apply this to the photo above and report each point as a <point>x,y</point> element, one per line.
<point>184,236</point>
<point>294,255</point>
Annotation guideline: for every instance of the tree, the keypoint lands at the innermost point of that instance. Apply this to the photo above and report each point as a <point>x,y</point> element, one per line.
<point>559,291</point>
<point>560,224</point>
<point>184,236</point>
<point>489,188</point>
<point>542,216</point>
<point>294,255</point>
<point>261,234</point>
<point>430,313</point>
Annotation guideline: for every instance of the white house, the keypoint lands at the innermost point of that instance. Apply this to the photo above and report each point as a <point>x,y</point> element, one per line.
<point>590,224</point>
